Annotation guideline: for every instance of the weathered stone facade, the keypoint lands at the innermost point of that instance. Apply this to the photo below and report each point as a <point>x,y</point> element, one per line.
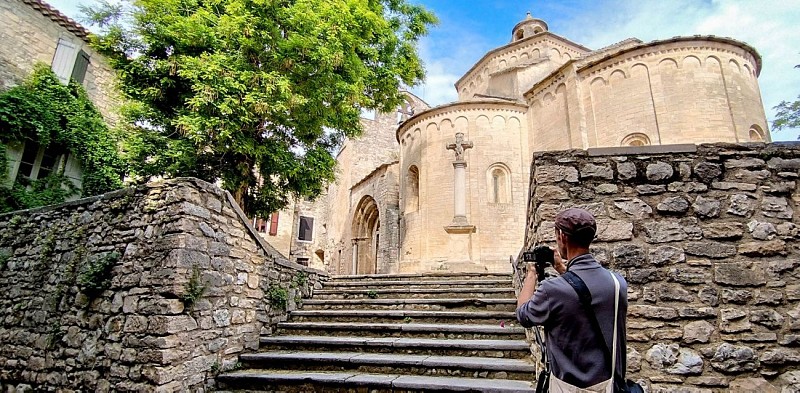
<point>539,92</point>
<point>706,237</point>
<point>149,327</point>
<point>30,34</point>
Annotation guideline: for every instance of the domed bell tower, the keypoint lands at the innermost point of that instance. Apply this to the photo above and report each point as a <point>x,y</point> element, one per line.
<point>527,28</point>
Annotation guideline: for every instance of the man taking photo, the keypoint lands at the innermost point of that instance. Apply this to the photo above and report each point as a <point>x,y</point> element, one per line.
<point>580,329</point>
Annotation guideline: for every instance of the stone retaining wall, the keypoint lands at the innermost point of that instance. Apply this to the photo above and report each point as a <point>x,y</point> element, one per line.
<point>706,237</point>
<point>154,288</point>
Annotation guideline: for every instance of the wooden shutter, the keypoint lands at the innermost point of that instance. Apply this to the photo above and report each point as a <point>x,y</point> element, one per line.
<point>81,65</point>
<point>273,224</point>
<point>64,60</point>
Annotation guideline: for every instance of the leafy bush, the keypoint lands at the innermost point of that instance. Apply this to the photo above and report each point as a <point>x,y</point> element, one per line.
<point>278,296</point>
<point>44,111</point>
<point>96,275</point>
<point>194,288</point>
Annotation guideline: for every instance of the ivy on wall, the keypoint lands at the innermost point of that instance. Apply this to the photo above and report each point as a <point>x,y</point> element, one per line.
<point>45,111</point>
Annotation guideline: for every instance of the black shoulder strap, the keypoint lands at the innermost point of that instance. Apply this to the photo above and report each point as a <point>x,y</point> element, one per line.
<point>585,298</point>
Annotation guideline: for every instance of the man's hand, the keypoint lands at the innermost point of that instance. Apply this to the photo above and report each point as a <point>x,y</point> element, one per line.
<point>529,285</point>
<point>558,263</point>
<point>530,269</point>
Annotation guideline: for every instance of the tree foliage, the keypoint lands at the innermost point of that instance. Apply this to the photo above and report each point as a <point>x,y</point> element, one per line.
<point>788,115</point>
<point>256,93</point>
<point>47,112</point>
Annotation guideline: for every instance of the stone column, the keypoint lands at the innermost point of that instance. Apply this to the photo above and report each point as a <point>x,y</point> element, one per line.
<point>460,223</point>
<point>460,194</point>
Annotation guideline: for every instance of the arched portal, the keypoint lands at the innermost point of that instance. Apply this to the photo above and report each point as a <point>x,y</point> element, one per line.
<point>366,237</point>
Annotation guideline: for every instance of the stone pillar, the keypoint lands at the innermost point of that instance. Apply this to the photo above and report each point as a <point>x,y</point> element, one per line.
<point>459,242</point>
<point>460,194</point>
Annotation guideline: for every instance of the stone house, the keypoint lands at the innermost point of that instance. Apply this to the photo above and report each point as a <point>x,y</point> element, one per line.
<point>402,202</point>
<point>34,32</point>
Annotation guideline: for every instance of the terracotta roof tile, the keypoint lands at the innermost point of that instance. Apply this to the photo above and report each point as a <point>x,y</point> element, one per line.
<point>56,16</point>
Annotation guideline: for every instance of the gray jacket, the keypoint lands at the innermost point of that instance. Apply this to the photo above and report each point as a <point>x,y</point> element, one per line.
<point>574,353</point>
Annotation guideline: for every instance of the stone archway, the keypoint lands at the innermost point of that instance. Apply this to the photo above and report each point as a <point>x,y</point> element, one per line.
<point>366,237</point>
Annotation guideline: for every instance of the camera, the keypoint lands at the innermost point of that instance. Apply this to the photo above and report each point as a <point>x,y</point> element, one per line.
<point>542,257</point>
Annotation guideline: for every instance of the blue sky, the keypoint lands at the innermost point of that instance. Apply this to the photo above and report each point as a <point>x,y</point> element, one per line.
<point>470,28</point>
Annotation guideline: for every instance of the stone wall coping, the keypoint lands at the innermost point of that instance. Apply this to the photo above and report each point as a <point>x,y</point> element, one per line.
<point>635,150</point>
<point>669,149</point>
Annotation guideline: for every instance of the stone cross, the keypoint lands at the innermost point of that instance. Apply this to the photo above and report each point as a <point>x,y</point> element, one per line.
<point>459,146</point>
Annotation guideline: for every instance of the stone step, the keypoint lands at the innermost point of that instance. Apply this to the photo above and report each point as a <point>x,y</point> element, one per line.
<point>472,303</point>
<point>298,381</point>
<point>406,330</point>
<point>512,349</point>
<point>474,283</point>
<point>462,366</point>
<point>460,317</point>
<point>414,293</point>
<point>421,276</point>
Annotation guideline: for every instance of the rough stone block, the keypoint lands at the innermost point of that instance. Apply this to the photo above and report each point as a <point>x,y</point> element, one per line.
<point>761,230</point>
<point>663,231</point>
<point>626,170</point>
<point>689,275</point>
<point>738,274</point>
<point>555,174</point>
<point>742,205</point>
<point>748,162</point>
<point>776,207</point>
<point>592,171</point>
<point>710,249</point>
<point>723,230</point>
<point>769,318</point>
<point>652,312</point>
<point>736,296</point>
<point>659,171</point>
<point>687,187</point>
<point>781,164</point>
<point>673,205</point>
<point>629,255</point>
<point>731,358</point>
<point>706,207</point>
<point>664,255</point>
<point>706,171</point>
<point>651,189</point>
<point>725,185</point>
<point>763,249</point>
<point>697,332</point>
<point>546,193</point>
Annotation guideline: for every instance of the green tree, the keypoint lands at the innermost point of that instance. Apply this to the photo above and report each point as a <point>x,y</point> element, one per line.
<point>44,111</point>
<point>256,93</point>
<point>788,115</point>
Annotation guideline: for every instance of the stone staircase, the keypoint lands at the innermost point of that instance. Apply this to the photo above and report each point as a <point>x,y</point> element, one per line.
<point>395,333</point>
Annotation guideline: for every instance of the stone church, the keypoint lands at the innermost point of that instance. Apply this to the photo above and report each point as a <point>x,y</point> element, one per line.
<point>446,188</point>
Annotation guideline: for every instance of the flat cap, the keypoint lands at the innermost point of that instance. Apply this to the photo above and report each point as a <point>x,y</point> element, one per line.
<point>576,221</point>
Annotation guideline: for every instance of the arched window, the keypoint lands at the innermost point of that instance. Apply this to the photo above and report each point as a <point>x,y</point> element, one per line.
<point>498,184</point>
<point>635,139</point>
<point>756,135</point>
<point>412,189</point>
<point>519,35</point>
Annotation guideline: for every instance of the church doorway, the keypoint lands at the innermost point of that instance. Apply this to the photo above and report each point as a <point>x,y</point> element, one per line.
<point>366,237</point>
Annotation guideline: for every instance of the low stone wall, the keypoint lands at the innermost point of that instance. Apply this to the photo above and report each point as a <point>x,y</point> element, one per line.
<point>706,237</point>
<point>154,288</point>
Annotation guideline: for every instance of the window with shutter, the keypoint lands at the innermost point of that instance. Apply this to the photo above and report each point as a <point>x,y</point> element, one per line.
<point>81,65</point>
<point>306,231</point>
<point>64,60</point>
<point>273,224</point>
